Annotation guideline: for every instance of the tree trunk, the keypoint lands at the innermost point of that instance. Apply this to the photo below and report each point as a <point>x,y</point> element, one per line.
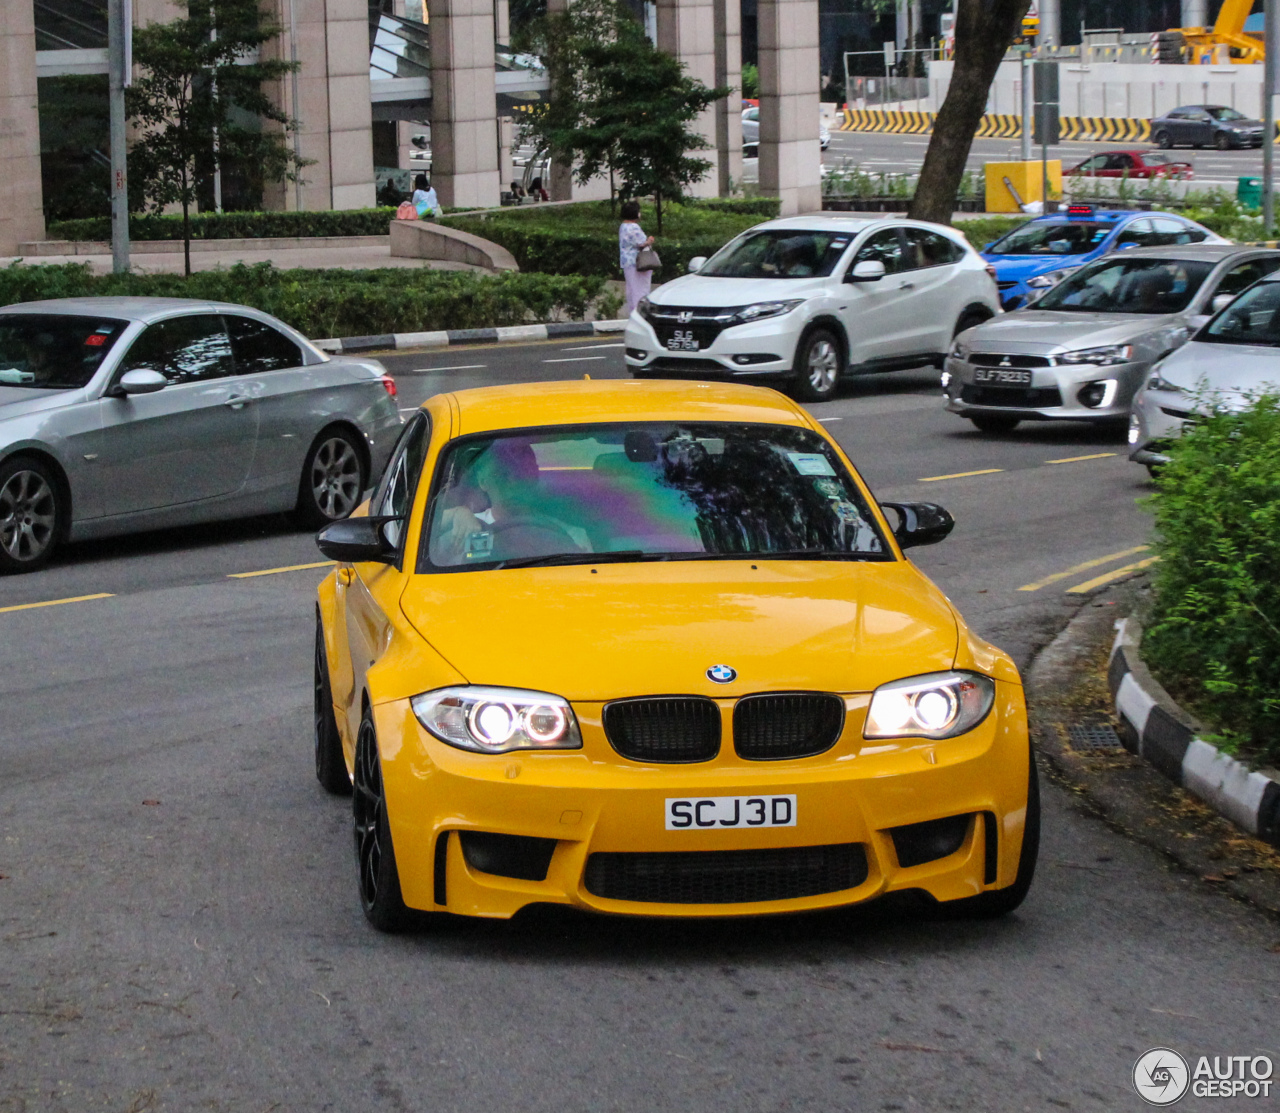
<point>657,197</point>
<point>984,30</point>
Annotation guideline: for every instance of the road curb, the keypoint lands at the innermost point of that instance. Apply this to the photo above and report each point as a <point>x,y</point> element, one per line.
<point>1156,729</point>
<point>513,334</point>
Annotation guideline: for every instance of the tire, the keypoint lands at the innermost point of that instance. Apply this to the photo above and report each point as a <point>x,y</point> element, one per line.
<point>994,423</point>
<point>1222,141</point>
<point>1163,140</point>
<point>331,765</point>
<point>380,897</point>
<point>33,514</point>
<point>968,319</point>
<point>817,366</point>
<point>333,480</point>
<point>1000,902</point>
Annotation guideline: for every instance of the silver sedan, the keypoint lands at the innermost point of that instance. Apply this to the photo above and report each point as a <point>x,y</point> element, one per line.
<point>126,414</point>
<point>1083,349</point>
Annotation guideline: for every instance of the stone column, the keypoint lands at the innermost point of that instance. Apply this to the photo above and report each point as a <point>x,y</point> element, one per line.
<point>790,158</point>
<point>687,30</point>
<point>21,199</point>
<point>351,183</point>
<point>728,112</point>
<point>464,126</point>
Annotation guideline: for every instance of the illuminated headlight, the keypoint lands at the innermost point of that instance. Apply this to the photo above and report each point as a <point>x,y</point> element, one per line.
<point>1050,278</point>
<point>498,720</point>
<point>763,309</point>
<point>1106,356</point>
<point>938,705</point>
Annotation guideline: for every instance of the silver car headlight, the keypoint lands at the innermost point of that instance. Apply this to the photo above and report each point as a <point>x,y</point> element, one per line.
<point>1156,381</point>
<point>498,720</point>
<point>763,309</point>
<point>959,350</point>
<point>1050,278</point>
<point>937,705</point>
<point>1106,356</point>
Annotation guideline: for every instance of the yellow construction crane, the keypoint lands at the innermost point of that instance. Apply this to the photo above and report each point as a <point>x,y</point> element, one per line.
<point>1227,40</point>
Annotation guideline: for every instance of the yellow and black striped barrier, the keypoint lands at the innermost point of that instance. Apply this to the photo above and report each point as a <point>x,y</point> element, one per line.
<point>997,125</point>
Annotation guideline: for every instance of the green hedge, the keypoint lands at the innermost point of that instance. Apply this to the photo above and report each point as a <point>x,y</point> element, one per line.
<point>1214,635</point>
<point>325,303</point>
<point>583,239</point>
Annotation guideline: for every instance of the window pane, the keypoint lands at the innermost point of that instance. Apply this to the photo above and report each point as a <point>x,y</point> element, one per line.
<point>779,253</point>
<point>258,347</point>
<point>183,349</point>
<point>1129,285</point>
<point>884,247</point>
<point>929,249</point>
<point>44,350</point>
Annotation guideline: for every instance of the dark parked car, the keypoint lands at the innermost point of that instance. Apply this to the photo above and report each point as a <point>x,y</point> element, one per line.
<point>1198,125</point>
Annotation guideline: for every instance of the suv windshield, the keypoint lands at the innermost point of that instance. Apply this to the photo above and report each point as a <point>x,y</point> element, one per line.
<point>1253,318</point>
<point>645,491</point>
<point>1126,285</point>
<point>778,253</point>
<point>1055,237</point>
<point>50,351</point>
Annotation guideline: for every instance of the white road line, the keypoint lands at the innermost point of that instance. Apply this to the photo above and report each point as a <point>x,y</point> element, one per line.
<point>453,367</point>
<point>592,347</point>
<point>575,359</point>
<point>824,420</point>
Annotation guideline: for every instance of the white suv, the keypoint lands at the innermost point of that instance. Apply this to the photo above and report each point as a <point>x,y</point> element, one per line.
<point>807,299</point>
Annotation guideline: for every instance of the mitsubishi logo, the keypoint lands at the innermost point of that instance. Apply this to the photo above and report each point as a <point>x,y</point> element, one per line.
<point>684,316</point>
<point>1005,362</point>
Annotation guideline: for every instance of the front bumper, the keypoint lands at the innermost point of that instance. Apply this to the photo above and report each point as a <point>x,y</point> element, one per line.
<point>1157,418</point>
<point>593,801</point>
<point>1054,393</point>
<point>763,351</point>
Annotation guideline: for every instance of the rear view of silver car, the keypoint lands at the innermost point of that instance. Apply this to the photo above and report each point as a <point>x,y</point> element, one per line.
<point>1083,349</point>
<point>125,414</point>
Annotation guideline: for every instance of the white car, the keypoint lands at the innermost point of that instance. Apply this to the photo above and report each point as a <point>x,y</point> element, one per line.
<point>804,300</point>
<point>751,129</point>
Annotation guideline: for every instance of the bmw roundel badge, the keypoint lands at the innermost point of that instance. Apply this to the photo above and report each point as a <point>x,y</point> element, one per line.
<point>722,674</point>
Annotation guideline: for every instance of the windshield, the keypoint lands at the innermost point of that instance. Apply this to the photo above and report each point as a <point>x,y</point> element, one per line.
<point>1059,237</point>
<point>1253,318</point>
<point>49,351</point>
<point>1126,285</point>
<point>645,491</point>
<point>778,253</point>
<point>1221,113</point>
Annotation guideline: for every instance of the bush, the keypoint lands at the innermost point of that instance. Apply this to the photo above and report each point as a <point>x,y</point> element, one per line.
<point>583,239</point>
<point>1214,636</point>
<point>983,230</point>
<point>325,303</point>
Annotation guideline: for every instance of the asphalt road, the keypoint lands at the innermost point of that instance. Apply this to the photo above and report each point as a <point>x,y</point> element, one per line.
<point>179,927</point>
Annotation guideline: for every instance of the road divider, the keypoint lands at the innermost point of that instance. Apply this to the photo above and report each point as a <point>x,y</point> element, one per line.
<point>999,125</point>
<point>57,602</point>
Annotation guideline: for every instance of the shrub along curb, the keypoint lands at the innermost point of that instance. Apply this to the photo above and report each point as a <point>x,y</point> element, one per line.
<point>515,334</point>
<point>1156,729</point>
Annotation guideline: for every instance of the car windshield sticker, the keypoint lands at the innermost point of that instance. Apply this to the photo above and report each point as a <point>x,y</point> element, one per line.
<point>830,487</point>
<point>847,512</point>
<point>479,546</point>
<point>13,375</point>
<point>811,463</point>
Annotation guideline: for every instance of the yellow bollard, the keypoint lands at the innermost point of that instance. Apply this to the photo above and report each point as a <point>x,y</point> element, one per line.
<point>1011,185</point>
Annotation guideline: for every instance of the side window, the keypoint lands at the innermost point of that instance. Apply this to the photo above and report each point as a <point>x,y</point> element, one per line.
<point>1098,162</point>
<point>1168,231</point>
<point>258,347</point>
<point>931,249</point>
<point>1119,162</point>
<point>885,247</point>
<point>1138,232</point>
<point>1245,274</point>
<point>183,349</point>
<point>396,487</point>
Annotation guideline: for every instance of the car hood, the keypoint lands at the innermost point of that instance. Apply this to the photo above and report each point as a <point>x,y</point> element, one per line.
<point>1243,369</point>
<point>1018,268</point>
<point>1047,331</point>
<point>696,291</point>
<point>15,401</point>
<point>646,629</point>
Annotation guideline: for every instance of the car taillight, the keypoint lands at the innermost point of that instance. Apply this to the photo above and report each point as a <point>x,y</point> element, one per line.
<point>389,384</point>
<point>991,271</point>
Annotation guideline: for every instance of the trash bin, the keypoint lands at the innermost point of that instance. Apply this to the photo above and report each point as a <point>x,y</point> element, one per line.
<point>1249,192</point>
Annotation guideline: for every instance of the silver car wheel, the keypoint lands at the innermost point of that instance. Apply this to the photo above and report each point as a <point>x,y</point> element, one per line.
<point>335,478</point>
<point>824,364</point>
<point>28,516</point>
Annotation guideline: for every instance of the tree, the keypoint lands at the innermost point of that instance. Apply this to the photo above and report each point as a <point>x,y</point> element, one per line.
<point>984,30</point>
<point>193,98</point>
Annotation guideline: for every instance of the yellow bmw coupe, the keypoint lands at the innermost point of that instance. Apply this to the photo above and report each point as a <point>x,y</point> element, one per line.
<point>652,648</point>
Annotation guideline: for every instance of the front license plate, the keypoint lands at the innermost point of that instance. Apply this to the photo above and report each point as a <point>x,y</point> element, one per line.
<point>692,813</point>
<point>682,340</point>
<point>1000,375</point>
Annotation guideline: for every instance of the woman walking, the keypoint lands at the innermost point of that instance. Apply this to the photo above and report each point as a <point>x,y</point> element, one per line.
<point>631,239</point>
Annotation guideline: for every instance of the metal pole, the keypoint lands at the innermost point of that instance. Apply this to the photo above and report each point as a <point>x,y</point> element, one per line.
<point>1269,116</point>
<point>847,103</point>
<point>1026,105</point>
<point>119,52</point>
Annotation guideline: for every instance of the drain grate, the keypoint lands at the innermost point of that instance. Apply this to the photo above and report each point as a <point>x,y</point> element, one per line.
<point>1093,736</point>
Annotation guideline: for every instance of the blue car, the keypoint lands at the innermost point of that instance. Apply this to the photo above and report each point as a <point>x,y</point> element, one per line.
<point>1042,252</point>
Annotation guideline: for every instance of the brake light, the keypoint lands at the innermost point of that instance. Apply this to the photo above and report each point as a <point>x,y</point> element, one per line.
<point>389,384</point>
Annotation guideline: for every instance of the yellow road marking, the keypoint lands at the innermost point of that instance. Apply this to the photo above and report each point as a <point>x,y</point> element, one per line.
<point>1077,459</point>
<point>1084,567</point>
<point>273,571</point>
<point>57,602</point>
<point>959,475</point>
<point>1107,577</point>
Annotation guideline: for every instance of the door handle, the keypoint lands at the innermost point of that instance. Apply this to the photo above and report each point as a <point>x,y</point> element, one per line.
<point>238,402</point>
<point>346,576</point>
<point>906,286</point>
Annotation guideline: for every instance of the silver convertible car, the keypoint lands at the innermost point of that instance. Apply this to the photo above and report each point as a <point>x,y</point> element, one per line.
<point>126,414</point>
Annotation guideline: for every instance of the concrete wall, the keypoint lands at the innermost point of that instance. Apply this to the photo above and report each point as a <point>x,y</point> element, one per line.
<point>21,217</point>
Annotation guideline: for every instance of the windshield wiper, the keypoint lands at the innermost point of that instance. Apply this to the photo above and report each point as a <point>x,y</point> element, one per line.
<point>577,558</point>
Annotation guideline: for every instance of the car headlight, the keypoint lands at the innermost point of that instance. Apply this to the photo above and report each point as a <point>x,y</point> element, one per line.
<point>959,350</point>
<point>643,306</point>
<point>1105,356</point>
<point>1158,382</point>
<point>938,705</point>
<point>1049,278</point>
<point>498,720</point>
<point>763,309</point>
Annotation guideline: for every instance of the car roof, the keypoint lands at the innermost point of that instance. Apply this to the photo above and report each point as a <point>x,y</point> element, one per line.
<point>594,401</point>
<point>130,309</point>
<point>1204,252</point>
<point>832,222</point>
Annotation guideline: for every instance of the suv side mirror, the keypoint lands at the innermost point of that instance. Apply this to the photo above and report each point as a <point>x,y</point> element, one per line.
<point>697,263</point>
<point>920,523</point>
<point>1221,301</point>
<point>354,540</point>
<point>141,380</point>
<point>869,270</point>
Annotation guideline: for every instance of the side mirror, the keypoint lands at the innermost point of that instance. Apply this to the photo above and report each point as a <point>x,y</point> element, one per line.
<point>141,380</point>
<point>355,540</point>
<point>869,270</point>
<point>920,523</point>
<point>1221,301</point>
<point>697,263</point>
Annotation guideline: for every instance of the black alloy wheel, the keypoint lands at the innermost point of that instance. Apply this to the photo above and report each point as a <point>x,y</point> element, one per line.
<point>380,895</point>
<point>818,366</point>
<point>334,477</point>
<point>994,423</point>
<point>1163,140</point>
<point>31,515</point>
<point>331,766</point>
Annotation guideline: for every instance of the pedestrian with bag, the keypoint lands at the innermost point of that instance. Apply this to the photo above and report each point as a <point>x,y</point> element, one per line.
<point>424,198</point>
<point>636,256</point>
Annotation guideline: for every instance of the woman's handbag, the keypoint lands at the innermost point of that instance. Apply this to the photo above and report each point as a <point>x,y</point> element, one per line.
<point>406,211</point>
<point>647,259</point>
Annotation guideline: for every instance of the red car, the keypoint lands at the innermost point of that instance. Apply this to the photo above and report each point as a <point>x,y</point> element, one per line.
<point>1131,164</point>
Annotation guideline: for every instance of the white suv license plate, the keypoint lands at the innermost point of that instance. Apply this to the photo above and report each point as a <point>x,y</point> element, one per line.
<point>682,340</point>
<point>999,375</point>
<point>702,813</point>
